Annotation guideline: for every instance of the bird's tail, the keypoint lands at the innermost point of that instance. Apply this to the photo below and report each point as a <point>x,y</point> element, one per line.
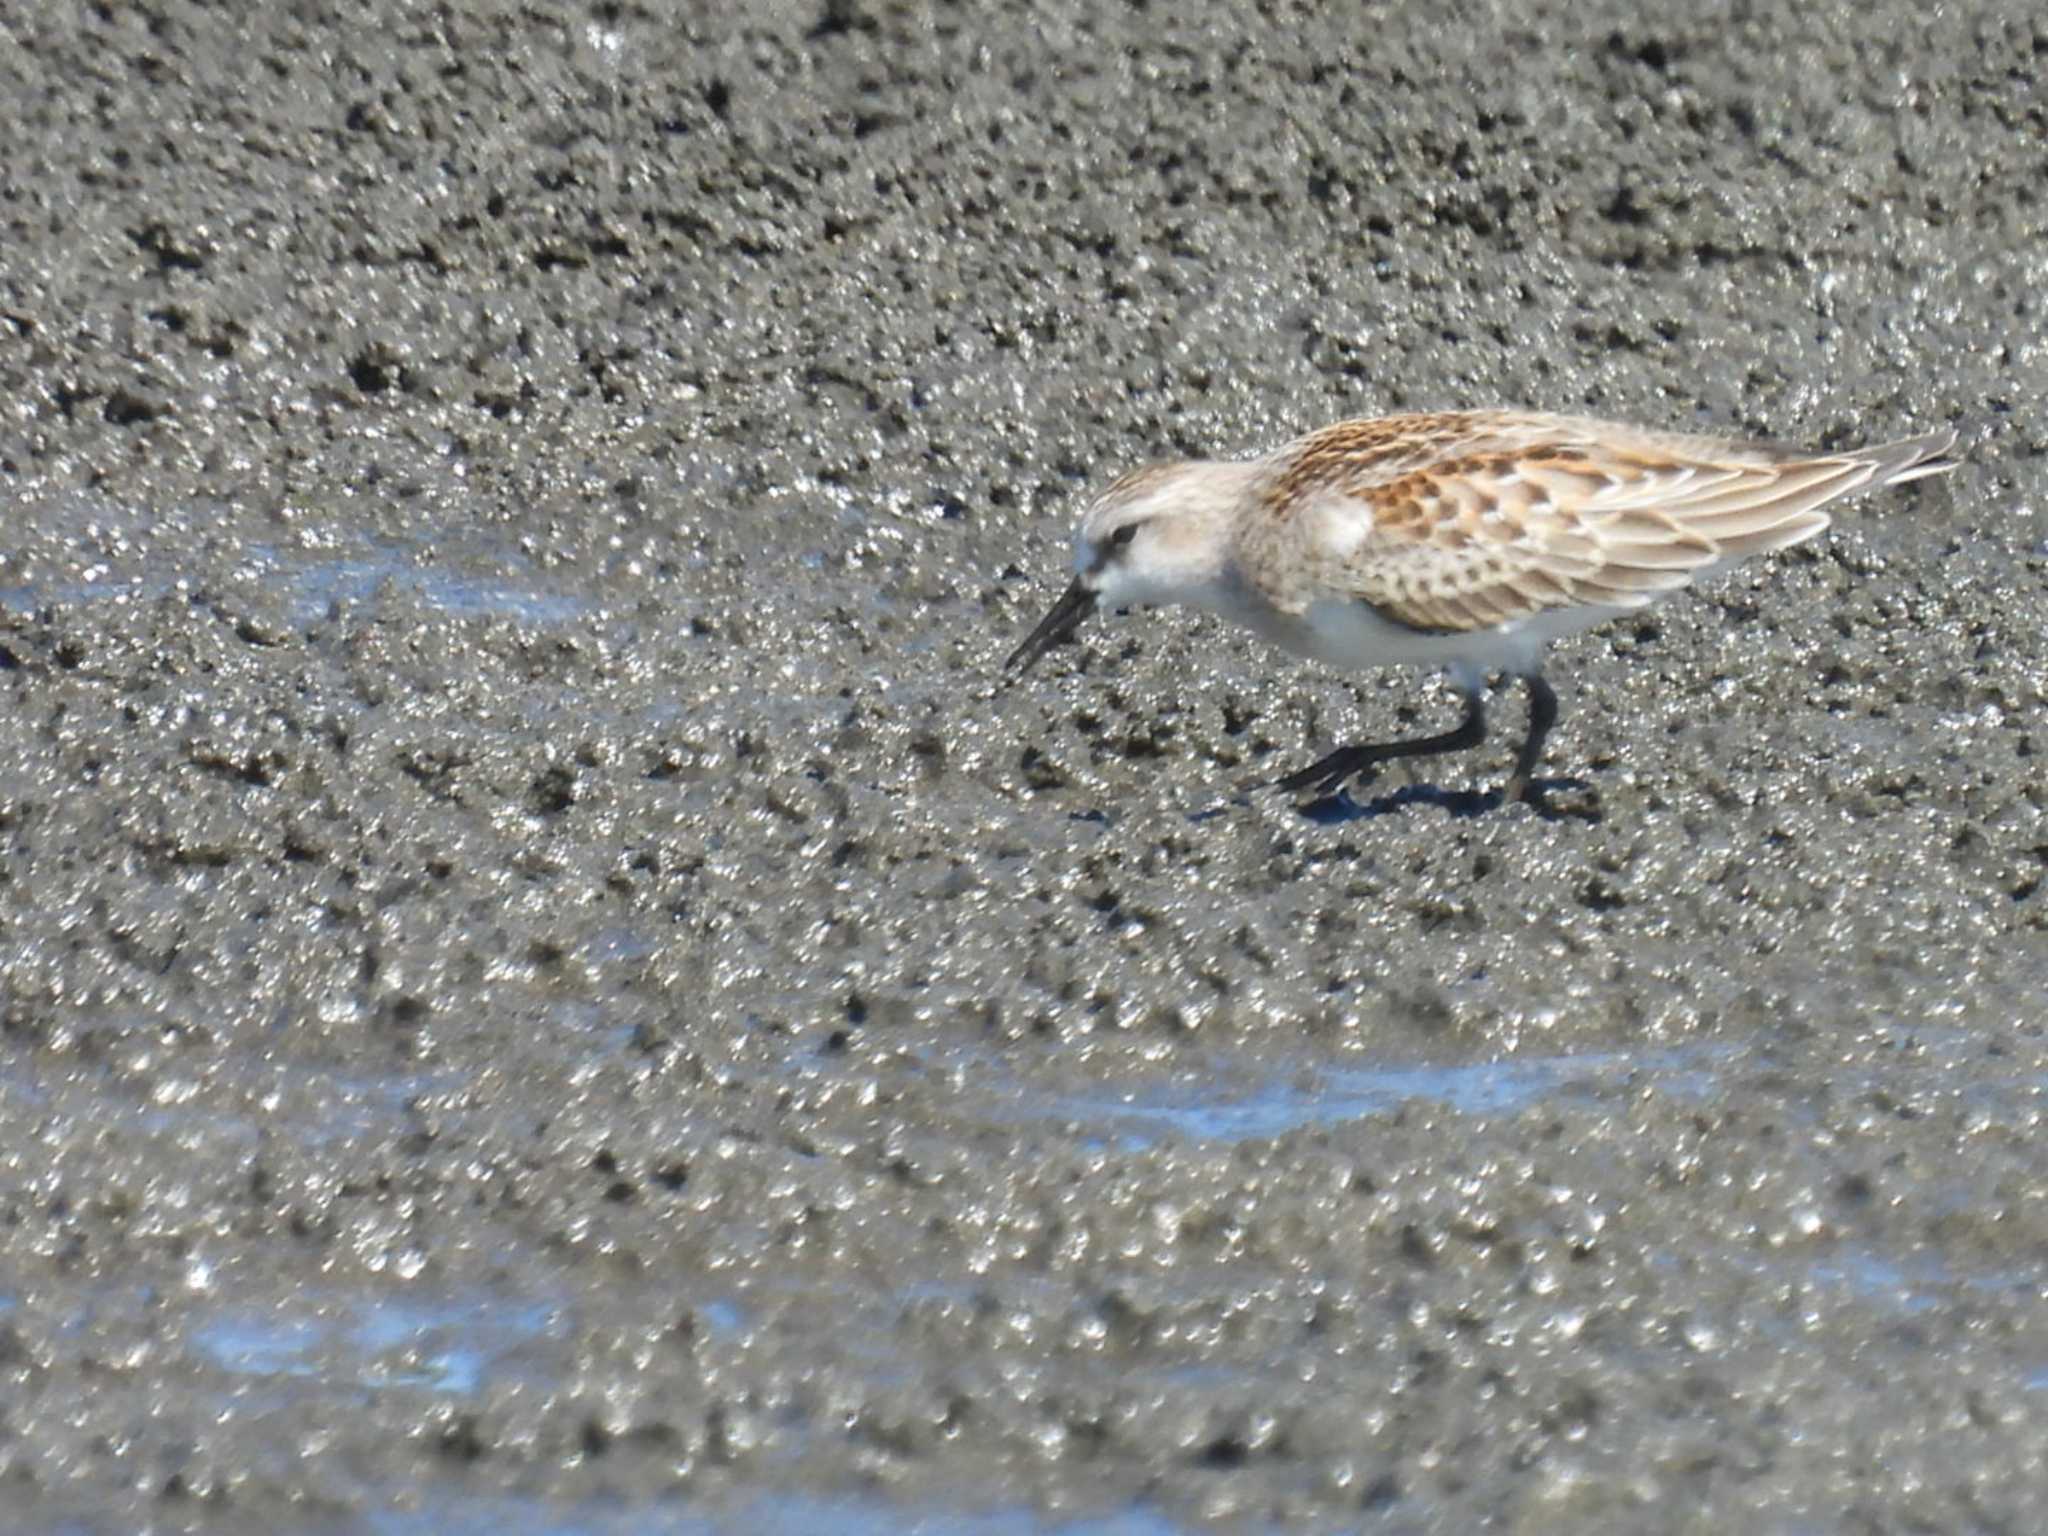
<point>1748,511</point>
<point>1910,458</point>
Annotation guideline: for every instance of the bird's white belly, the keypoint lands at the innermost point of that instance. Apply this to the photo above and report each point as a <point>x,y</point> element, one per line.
<point>1350,634</point>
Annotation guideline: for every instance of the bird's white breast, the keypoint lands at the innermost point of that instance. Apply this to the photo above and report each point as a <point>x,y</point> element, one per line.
<point>1350,634</point>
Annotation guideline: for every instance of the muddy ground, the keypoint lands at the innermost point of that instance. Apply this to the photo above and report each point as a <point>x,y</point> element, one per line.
<point>549,987</point>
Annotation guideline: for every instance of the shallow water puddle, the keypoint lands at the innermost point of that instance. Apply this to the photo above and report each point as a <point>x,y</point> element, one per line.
<point>787,1515</point>
<point>441,1346</point>
<point>1910,1285</point>
<point>1336,1095</point>
<point>313,587</point>
<point>317,587</point>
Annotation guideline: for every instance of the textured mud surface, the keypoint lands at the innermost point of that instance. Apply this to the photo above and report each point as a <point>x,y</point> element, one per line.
<point>546,986</point>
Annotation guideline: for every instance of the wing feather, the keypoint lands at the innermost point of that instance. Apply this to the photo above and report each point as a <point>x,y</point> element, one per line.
<point>1475,520</point>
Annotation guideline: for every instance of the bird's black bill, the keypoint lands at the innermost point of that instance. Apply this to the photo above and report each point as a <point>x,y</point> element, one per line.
<point>1075,604</point>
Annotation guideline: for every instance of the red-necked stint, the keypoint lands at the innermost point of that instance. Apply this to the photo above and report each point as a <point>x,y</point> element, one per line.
<point>1467,540</point>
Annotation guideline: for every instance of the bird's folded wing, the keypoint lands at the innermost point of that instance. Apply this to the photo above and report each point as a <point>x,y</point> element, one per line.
<point>1470,543</point>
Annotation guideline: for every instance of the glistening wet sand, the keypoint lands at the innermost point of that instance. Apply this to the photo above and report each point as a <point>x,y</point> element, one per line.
<point>545,985</point>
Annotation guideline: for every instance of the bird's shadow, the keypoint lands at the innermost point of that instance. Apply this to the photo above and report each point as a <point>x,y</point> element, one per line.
<point>1458,804</point>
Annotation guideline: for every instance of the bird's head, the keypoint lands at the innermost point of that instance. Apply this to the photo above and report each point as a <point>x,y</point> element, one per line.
<point>1159,535</point>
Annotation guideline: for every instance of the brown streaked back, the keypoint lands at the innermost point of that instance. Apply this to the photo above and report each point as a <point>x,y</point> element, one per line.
<point>1464,521</point>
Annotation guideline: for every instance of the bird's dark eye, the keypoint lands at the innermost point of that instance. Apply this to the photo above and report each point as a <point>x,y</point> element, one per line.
<point>1123,536</point>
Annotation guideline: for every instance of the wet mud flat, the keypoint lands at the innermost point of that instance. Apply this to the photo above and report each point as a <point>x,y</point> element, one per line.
<point>546,985</point>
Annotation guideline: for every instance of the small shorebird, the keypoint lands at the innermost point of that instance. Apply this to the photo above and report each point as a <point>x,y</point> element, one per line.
<point>1468,540</point>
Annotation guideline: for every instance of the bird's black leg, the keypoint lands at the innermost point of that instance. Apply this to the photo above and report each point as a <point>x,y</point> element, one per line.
<point>1327,775</point>
<point>1542,716</point>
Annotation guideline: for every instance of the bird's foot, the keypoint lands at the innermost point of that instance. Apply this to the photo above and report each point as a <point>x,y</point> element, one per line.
<point>1328,774</point>
<point>1555,799</point>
